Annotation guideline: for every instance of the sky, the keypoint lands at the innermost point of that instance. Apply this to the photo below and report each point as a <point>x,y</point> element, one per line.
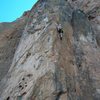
<point>10,10</point>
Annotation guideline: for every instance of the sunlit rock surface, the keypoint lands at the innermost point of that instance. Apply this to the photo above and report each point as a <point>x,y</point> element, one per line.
<point>10,34</point>
<point>47,68</point>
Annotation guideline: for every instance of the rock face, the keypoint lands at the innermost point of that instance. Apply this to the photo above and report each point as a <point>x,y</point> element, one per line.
<point>10,34</point>
<point>47,68</point>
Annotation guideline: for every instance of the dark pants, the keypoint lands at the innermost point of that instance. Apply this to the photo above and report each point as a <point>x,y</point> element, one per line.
<point>60,33</point>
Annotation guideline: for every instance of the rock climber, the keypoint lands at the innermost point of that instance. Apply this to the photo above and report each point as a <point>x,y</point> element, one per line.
<point>60,31</point>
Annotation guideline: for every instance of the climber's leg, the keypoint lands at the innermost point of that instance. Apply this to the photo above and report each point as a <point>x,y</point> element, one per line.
<point>60,31</point>
<point>60,35</point>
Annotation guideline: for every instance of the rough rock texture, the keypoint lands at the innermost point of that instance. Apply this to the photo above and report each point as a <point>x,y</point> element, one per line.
<point>47,68</point>
<point>10,34</point>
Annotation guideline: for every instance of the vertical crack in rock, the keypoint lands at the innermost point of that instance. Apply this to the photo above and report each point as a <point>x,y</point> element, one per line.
<point>82,34</point>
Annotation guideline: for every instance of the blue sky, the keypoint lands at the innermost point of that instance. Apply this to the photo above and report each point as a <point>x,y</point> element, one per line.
<point>12,9</point>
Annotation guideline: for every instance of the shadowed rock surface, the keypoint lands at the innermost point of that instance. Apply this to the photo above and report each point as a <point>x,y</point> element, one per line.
<point>47,68</point>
